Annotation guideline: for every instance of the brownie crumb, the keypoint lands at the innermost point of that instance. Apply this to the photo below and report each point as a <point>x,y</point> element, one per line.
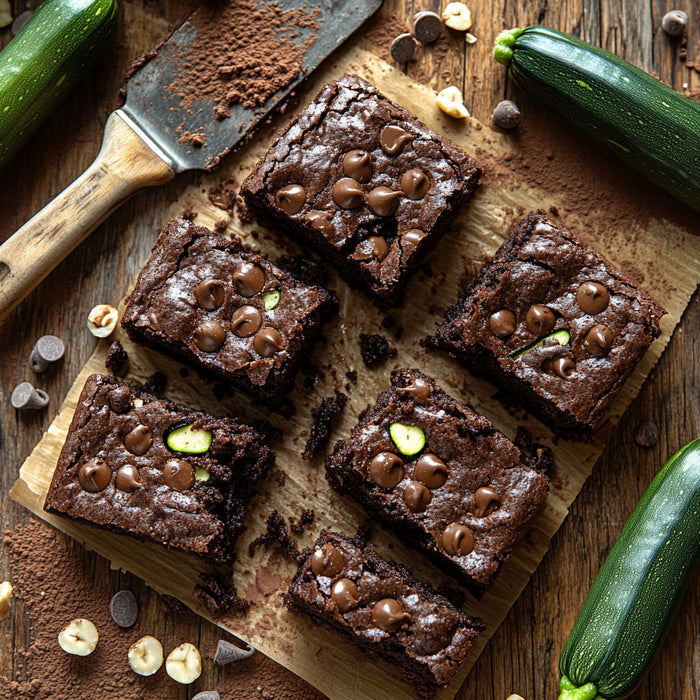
<point>117,360</point>
<point>276,533</point>
<point>647,434</point>
<point>304,269</point>
<point>189,214</point>
<point>155,384</point>
<point>305,519</point>
<point>218,594</point>
<point>352,375</point>
<point>375,349</point>
<point>323,416</point>
<point>220,226</point>
<point>388,322</point>
<point>171,605</point>
<point>281,478</point>
<point>223,195</point>
<point>267,430</point>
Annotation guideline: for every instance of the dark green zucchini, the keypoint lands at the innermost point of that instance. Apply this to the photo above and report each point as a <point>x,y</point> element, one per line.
<point>646,123</point>
<point>629,608</point>
<point>45,61</point>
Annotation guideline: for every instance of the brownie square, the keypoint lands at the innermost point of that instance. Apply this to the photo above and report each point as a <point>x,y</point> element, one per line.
<point>554,324</point>
<point>119,470</point>
<point>441,475</point>
<point>344,584</point>
<point>227,311</point>
<point>363,182</point>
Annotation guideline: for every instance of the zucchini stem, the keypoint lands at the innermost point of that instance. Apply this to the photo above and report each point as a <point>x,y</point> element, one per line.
<point>571,692</point>
<point>503,45</point>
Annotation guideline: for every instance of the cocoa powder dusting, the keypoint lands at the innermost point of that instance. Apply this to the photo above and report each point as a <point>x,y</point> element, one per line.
<point>54,583</point>
<point>242,53</point>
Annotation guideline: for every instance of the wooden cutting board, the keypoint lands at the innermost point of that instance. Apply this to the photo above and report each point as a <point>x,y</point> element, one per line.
<point>327,661</point>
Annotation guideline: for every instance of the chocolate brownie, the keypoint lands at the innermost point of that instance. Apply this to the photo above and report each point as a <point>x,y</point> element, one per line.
<point>554,324</point>
<point>226,310</point>
<point>344,584</point>
<point>440,474</point>
<point>363,182</point>
<point>143,466</point>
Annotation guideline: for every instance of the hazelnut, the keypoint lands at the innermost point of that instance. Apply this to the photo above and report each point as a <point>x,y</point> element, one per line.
<point>102,320</point>
<point>450,102</point>
<point>457,16</point>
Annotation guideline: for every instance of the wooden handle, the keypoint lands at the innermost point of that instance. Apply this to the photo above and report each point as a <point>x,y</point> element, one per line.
<point>124,165</point>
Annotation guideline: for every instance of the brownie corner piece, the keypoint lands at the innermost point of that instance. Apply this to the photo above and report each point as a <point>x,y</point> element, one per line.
<point>365,183</point>
<point>345,585</point>
<point>554,324</point>
<point>440,474</point>
<point>231,313</point>
<point>143,466</point>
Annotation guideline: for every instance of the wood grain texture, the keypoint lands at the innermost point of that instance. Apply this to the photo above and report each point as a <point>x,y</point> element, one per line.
<point>523,654</point>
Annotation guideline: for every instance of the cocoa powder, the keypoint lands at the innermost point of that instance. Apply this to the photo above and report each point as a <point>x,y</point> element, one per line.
<point>242,53</point>
<point>55,582</point>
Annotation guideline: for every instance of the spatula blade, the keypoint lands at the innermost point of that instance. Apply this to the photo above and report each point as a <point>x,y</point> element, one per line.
<point>158,115</point>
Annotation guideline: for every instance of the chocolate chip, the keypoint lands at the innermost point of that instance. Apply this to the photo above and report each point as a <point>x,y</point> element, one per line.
<point>345,594</point>
<point>427,26</point>
<point>386,469</point>
<point>403,48</point>
<point>120,399</point>
<point>418,390</point>
<point>207,695</point>
<point>592,297</point>
<point>248,278</point>
<point>290,199</point>
<point>245,321</point>
<point>417,496</point>
<point>674,22</point>
<point>123,608</point>
<point>457,540</point>
<point>393,138</point>
<point>412,237</point>
<point>506,115</point>
<point>647,434</point>
<point>128,479</point>
<point>598,340</point>
<point>209,336</point>
<point>372,248</point>
<point>320,220</point>
<point>357,165</point>
<point>415,183</point>
<point>431,470</point>
<point>94,475</point>
<point>327,561</point>
<point>502,323</point>
<point>388,615</point>
<point>384,201</point>
<point>268,341</point>
<point>178,474</point>
<point>227,652</point>
<point>26,398</point>
<point>138,441</point>
<point>347,193</point>
<point>46,351</point>
<point>485,497</point>
<point>540,320</point>
<point>563,367</point>
<point>210,294</point>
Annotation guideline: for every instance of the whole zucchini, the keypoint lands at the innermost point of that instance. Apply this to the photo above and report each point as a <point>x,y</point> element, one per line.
<point>646,123</point>
<point>631,604</point>
<point>44,62</point>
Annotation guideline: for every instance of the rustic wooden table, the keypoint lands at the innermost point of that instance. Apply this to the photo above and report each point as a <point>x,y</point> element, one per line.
<point>523,655</point>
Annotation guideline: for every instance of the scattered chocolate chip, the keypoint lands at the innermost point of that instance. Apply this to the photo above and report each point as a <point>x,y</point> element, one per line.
<point>418,390</point>
<point>427,26</point>
<point>323,416</point>
<point>403,48</point>
<point>218,594</point>
<point>123,608</point>
<point>374,349</point>
<point>563,367</point>
<point>227,652</point>
<point>223,195</point>
<point>647,434</point>
<point>47,350</point>
<point>26,398</point>
<point>384,201</point>
<point>207,695</point>
<point>506,115</point>
<point>372,248</point>
<point>117,360</point>
<point>598,340</point>
<point>674,22</point>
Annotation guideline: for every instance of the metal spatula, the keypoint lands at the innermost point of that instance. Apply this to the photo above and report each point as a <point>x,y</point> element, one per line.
<point>142,147</point>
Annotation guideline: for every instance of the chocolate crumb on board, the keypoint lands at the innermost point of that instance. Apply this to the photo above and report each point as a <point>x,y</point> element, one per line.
<point>352,375</point>
<point>647,434</point>
<point>223,195</point>
<point>189,214</point>
<point>375,349</point>
<point>218,594</point>
<point>306,518</point>
<point>276,533</point>
<point>117,361</point>
<point>323,416</point>
<point>171,605</point>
